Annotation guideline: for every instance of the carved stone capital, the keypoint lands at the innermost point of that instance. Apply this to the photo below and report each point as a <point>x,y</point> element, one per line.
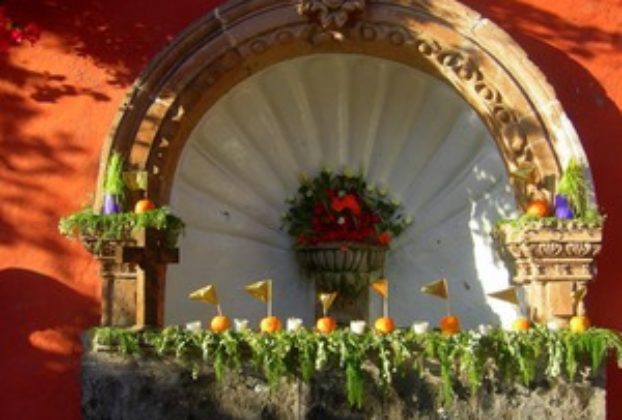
<point>552,263</point>
<point>331,14</point>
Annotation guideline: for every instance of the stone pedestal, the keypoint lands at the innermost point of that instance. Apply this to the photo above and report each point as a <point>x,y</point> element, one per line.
<point>132,273</point>
<point>345,268</point>
<point>554,264</point>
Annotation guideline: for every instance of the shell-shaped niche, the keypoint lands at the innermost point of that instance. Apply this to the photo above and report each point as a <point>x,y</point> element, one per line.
<point>407,131</point>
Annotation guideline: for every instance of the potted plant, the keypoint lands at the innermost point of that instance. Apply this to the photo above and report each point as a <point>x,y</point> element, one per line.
<point>114,186</point>
<point>342,227</point>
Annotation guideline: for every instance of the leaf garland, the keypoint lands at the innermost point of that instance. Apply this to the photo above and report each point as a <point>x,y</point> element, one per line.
<point>467,359</point>
<point>119,226</point>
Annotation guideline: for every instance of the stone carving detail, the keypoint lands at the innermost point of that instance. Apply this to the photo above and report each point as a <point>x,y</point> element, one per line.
<point>552,263</point>
<point>331,14</point>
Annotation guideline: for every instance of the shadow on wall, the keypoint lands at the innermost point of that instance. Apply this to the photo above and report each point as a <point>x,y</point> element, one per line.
<point>41,320</point>
<point>119,36</point>
<point>522,19</point>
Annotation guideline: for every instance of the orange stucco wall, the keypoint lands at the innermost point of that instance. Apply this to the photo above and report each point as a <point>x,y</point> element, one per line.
<point>57,102</point>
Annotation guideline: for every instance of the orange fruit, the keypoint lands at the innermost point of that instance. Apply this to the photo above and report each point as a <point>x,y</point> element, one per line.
<point>220,323</point>
<point>144,205</point>
<point>326,324</point>
<point>579,323</point>
<point>521,324</point>
<point>384,325</point>
<point>270,324</point>
<point>539,208</point>
<point>449,324</point>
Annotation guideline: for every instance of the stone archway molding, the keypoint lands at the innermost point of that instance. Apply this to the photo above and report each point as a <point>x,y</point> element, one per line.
<point>443,38</point>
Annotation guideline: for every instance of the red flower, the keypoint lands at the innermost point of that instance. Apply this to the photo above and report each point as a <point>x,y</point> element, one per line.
<point>348,202</point>
<point>301,240</point>
<point>384,238</point>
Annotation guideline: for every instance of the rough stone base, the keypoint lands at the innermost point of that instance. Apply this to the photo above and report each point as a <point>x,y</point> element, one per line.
<point>114,387</point>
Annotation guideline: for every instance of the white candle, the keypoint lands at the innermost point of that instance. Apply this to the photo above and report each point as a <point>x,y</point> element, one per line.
<point>421,327</point>
<point>357,327</point>
<point>554,325</point>
<point>240,324</point>
<point>294,324</point>
<point>193,326</point>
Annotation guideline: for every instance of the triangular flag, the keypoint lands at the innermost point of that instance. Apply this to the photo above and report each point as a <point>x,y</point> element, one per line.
<point>261,289</point>
<point>381,286</point>
<point>205,294</point>
<point>436,288</point>
<point>507,295</point>
<point>327,300</point>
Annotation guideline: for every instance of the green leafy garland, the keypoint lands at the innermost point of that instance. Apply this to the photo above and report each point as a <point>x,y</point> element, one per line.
<point>468,358</point>
<point>119,226</point>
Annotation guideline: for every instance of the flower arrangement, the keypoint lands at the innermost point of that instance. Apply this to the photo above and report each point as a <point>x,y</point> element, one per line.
<point>342,207</point>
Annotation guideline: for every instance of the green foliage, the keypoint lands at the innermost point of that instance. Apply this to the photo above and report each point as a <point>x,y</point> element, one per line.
<point>87,223</point>
<point>466,359</point>
<point>113,178</point>
<point>591,218</point>
<point>573,186</point>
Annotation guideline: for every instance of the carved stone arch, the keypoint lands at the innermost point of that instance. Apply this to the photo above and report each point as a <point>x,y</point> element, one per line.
<point>240,38</point>
<point>445,39</point>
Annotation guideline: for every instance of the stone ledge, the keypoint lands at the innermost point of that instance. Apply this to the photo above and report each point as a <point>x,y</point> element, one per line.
<point>118,387</point>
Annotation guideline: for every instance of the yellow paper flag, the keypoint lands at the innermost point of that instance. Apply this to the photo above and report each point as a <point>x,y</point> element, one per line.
<point>381,286</point>
<point>205,294</point>
<point>261,289</point>
<point>507,295</point>
<point>327,300</point>
<point>436,288</point>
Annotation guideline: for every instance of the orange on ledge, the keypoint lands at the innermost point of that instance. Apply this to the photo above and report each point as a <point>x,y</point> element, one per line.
<point>521,324</point>
<point>326,324</point>
<point>144,205</point>
<point>539,208</point>
<point>220,323</point>
<point>384,325</point>
<point>449,324</point>
<point>270,324</point>
<point>579,323</point>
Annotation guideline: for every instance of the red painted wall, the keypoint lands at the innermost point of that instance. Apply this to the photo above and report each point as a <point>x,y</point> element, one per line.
<point>58,99</point>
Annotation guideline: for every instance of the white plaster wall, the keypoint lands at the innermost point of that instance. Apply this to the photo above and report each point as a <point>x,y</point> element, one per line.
<point>409,133</point>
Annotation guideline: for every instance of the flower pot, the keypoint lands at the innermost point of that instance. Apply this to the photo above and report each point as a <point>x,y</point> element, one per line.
<point>341,257</point>
<point>111,204</point>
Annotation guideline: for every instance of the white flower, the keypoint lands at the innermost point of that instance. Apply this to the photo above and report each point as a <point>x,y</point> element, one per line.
<point>341,193</point>
<point>327,169</point>
<point>291,199</point>
<point>408,220</point>
<point>341,221</point>
<point>309,193</point>
<point>370,187</point>
<point>383,191</point>
<point>396,202</point>
<point>348,172</point>
<point>357,326</point>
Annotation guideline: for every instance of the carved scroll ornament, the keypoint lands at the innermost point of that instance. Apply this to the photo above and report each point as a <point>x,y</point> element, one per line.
<point>331,14</point>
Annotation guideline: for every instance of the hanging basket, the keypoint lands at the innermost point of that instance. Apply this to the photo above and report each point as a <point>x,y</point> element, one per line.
<point>341,257</point>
